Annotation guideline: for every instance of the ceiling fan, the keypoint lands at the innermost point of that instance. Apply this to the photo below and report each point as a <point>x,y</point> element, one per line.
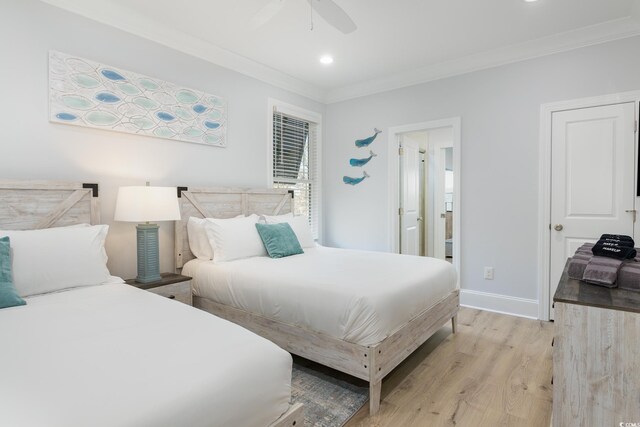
<point>327,9</point>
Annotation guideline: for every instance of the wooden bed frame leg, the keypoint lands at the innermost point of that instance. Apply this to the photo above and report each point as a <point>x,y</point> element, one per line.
<point>374,397</point>
<point>454,323</point>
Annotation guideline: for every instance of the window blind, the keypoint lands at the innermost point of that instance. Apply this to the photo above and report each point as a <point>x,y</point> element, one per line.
<point>295,164</point>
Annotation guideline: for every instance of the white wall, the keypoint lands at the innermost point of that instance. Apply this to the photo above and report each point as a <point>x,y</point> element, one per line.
<point>449,159</point>
<point>33,148</point>
<point>499,108</point>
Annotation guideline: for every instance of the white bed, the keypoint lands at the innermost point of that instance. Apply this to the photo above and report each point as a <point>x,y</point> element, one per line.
<point>113,355</point>
<point>328,290</point>
<point>361,313</point>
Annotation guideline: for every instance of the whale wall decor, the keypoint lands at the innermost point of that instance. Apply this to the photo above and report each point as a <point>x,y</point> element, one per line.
<point>86,93</point>
<point>360,162</point>
<point>367,141</point>
<point>355,181</point>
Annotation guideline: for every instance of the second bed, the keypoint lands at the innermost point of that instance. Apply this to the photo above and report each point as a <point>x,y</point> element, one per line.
<point>356,296</point>
<point>359,312</point>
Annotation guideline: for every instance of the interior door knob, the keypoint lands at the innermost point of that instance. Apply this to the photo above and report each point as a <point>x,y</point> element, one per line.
<point>558,227</point>
<point>634,212</point>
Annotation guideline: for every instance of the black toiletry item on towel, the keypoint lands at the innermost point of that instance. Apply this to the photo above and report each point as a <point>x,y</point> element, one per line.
<point>615,242</point>
<point>613,250</point>
<point>617,237</point>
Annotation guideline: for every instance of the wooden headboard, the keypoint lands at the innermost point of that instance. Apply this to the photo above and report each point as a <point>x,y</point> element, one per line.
<point>33,205</point>
<point>224,203</point>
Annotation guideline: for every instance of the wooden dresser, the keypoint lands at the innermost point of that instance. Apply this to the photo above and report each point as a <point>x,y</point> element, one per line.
<point>596,356</point>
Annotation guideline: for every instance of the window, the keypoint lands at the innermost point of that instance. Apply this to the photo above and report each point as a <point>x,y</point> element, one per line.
<point>295,159</point>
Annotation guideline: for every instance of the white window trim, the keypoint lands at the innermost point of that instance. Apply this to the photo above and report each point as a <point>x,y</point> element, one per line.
<point>304,114</point>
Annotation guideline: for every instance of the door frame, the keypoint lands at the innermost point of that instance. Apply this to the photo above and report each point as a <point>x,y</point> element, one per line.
<point>544,182</point>
<point>393,191</point>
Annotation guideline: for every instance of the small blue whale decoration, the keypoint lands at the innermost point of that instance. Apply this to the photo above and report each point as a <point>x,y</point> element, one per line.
<point>367,141</point>
<point>354,181</point>
<point>362,162</point>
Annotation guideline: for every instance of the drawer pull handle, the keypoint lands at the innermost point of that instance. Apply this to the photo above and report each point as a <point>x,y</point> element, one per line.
<point>171,297</point>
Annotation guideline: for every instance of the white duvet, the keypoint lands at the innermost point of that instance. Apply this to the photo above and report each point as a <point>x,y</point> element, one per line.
<point>116,356</point>
<point>357,296</point>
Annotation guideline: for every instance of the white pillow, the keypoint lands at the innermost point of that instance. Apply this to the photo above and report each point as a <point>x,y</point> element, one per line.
<point>276,219</point>
<point>234,238</point>
<point>58,258</point>
<point>299,224</point>
<point>198,241</point>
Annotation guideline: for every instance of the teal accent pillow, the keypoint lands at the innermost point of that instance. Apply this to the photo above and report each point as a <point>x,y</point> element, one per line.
<point>8,294</point>
<point>279,240</point>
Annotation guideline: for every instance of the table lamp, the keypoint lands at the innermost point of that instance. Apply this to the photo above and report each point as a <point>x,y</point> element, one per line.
<point>146,205</point>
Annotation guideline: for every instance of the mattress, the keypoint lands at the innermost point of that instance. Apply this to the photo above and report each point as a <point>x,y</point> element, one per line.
<point>114,355</point>
<point>357,296</point>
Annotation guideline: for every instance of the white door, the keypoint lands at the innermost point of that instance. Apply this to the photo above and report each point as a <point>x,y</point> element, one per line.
<point>409,197</point>
<point>592,179</point>
<point>439,217</point>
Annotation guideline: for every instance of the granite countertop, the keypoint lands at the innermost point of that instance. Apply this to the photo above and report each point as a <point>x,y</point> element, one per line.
<point>573,291</point>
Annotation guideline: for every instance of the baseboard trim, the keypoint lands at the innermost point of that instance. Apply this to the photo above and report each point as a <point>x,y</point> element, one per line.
<point>496,303</point>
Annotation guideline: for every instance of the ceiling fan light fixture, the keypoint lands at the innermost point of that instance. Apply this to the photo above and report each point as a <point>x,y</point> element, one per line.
<point>326,59</point>
<point>328,10</point>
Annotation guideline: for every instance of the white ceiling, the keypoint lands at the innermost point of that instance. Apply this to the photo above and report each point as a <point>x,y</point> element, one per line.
<point>397,43</point>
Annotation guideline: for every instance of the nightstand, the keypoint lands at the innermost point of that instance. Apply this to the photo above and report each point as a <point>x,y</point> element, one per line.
<point>172,285</point>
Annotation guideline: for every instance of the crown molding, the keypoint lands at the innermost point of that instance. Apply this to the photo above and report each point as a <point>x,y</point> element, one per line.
<point>561,42</point>
<point>139,25</point>
<point>125,20</point>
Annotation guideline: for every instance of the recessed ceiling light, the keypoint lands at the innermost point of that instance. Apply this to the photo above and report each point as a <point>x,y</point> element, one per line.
<point>326,59</point>
<point>530,1</point>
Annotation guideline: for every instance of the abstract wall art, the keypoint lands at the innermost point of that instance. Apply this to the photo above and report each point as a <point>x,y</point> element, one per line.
<point>87,93</point>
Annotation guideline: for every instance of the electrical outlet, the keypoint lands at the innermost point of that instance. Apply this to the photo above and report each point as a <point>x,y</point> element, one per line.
<point>488,273</point>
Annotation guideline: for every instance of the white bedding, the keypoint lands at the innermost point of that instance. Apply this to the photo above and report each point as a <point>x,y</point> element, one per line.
<point>113,355</point>
<point>357,296</point>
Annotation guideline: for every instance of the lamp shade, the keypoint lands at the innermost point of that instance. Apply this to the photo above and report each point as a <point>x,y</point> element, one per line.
<point>147,204</point>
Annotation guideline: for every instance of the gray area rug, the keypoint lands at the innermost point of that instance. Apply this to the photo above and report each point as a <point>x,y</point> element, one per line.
<point>330,398</point>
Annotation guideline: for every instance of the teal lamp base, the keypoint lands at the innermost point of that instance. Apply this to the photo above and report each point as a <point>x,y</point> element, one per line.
<point>148,253</point>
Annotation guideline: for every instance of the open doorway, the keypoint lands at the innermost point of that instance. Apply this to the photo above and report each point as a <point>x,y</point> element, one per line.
<point>424,189</point>
<point>426,192</point>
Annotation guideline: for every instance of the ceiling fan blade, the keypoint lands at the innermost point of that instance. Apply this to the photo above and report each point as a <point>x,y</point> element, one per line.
<point>267,13</point>
<point>334,15</point>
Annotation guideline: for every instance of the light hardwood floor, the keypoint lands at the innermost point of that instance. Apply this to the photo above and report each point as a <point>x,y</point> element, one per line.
<point>496,371</point>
